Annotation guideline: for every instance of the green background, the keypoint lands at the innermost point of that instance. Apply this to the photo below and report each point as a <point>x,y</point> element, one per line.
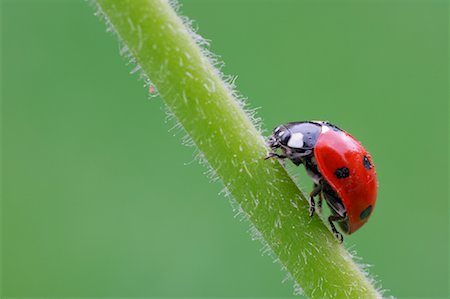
<point>100,200</point>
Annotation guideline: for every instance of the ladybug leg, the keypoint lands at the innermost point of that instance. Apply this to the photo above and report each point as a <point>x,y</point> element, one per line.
<point>275,155</point>
<point>316,191</point>
<point>337,234</point>
<point>319,203</point>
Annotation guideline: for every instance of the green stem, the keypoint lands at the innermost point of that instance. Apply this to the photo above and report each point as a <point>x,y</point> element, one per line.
<point>206,107</point>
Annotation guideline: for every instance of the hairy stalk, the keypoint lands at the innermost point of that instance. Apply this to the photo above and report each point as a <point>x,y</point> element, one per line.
<point>169,53</point>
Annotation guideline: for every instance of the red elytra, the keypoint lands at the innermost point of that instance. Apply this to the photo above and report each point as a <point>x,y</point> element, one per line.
<point>336,149</point>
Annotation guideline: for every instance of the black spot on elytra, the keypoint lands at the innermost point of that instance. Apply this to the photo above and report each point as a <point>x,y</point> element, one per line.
<point>364,214</point>
<point>342,173</point>
<point>367,163</point>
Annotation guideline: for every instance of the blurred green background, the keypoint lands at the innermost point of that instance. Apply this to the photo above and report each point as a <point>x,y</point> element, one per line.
<point>100,200</point>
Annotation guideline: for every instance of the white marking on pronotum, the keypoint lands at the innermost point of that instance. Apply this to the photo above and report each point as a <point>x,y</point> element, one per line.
<point>296,140</point>
<point>325,129</point>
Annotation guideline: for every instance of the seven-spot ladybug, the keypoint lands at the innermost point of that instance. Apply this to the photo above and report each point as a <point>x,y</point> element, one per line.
<point>342,170</point>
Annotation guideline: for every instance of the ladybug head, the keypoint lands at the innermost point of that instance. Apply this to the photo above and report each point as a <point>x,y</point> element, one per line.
<point>280,136</point>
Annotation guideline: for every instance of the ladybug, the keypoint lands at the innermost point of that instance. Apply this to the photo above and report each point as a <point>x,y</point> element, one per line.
<point>341,169</point>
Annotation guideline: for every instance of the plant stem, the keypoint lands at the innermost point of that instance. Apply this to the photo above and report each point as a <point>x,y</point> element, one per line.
<point>224,133</point>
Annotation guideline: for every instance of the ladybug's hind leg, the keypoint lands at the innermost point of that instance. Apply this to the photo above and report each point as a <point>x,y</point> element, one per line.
<point>317,190</point>
<point>338,218</point>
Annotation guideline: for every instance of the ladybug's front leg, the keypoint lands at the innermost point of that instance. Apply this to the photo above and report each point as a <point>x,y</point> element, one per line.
<point>275,155</point>
<point>316,191</point>
<point>280,158</point>
<point>337,234</point>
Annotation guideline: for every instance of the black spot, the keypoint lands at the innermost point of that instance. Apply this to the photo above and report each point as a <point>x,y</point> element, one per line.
<point>364,214</point>
<point>367,163</point>
<point>342,173</point>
